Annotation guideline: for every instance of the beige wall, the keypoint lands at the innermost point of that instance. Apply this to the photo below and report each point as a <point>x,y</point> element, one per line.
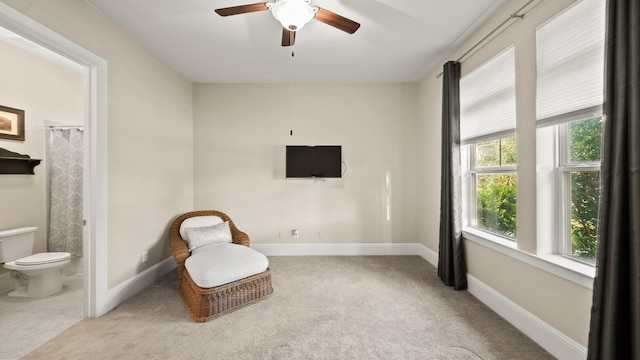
<point>240,136</point>
<point>150,139</point>
<point>558,302</point>
<point>47,93</point>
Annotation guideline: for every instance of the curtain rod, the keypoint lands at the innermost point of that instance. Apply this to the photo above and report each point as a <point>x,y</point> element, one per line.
<point>514,15</point>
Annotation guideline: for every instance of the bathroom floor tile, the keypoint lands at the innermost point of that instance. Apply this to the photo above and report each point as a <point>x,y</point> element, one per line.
<point>26,324</point>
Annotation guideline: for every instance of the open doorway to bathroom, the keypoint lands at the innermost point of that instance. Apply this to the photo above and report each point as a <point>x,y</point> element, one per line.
<point>97,299</point>
<point>51,91</point>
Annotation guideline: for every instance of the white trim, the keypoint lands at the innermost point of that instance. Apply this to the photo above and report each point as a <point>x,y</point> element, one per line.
<point>331,249</point>
<point>429,255</point>
<point>97,218</point>
<point>353,249</point>
<point>132,286</point>
<point>570,270</point>
<point>480,233</point>
<point>95,243</point>
<point>552,340</point>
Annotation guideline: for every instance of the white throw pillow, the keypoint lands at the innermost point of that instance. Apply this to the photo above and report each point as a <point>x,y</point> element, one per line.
<point>198,221</point>
<point>207,235</point>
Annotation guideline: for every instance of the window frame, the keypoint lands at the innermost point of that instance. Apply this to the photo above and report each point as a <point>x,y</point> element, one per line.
<point>470,172</point>
<point>564,168</point>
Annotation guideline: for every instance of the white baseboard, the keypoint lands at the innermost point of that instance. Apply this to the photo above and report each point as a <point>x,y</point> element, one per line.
<point>552,340</point>
<point>429,255</point>
<point>331,249</point>
<point>137,283</point>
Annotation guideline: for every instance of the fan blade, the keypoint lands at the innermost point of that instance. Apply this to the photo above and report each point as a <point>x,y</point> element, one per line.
<point>288,37</point>
<point>242,9</point>
<point>337,21</point>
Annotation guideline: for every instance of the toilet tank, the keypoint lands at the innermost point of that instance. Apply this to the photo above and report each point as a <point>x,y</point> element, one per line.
<point>16,243</point>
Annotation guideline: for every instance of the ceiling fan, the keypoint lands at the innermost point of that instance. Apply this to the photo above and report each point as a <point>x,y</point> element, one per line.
<point>293,15</point>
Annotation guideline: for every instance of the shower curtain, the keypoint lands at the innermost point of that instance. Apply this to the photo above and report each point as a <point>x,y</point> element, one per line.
<point>65,181</point>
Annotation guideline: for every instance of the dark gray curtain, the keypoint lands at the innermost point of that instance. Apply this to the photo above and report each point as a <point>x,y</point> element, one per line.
<point>615,314</point>
<point>452,268</point>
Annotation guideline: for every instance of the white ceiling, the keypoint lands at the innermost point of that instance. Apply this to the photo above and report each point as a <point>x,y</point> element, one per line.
<point>398,41</point>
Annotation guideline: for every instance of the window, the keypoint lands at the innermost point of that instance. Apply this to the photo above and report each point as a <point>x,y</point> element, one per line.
<point>493,180</point>
<point>580,178</point>
<point>487,131</point>
<point>570,66</point>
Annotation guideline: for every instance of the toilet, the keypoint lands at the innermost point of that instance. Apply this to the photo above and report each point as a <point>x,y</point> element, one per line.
<point>35,275</point>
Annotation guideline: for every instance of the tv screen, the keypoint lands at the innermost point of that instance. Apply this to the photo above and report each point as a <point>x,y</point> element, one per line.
<point>314,161</point>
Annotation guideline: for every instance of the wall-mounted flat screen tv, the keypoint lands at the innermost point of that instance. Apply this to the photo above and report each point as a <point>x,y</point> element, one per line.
<point>314,161</point>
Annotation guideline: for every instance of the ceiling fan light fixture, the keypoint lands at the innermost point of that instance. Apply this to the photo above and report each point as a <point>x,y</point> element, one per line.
<point>293,14</point>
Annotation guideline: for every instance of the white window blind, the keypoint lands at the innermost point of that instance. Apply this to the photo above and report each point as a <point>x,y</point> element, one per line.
<point>570,60</point>
<point>488,99</point>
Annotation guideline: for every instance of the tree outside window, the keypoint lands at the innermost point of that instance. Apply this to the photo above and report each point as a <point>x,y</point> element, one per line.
<point>495,183</point>
<point>584,150</point>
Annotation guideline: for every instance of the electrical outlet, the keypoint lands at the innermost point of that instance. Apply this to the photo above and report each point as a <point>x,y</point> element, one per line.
<point>145,256</point>
<point>295,233</point>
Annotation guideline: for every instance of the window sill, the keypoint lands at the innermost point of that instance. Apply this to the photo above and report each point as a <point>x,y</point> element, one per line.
<point>574,271</point>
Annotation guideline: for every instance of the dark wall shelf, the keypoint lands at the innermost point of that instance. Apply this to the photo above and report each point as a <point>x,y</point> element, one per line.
<point>14,163</point>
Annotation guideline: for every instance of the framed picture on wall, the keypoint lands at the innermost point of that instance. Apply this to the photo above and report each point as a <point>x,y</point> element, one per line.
<point>11,123</point>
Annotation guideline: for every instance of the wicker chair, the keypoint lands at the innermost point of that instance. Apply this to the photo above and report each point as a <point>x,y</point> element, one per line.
<point>208,303</point>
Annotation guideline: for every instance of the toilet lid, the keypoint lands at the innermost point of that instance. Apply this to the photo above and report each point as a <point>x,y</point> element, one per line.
<point>43,258</point>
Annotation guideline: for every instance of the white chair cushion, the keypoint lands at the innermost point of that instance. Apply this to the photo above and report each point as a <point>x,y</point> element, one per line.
<point>198,221</point>
<point>220,264</point>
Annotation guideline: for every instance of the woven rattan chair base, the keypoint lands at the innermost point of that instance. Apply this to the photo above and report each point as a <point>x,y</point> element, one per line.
<point>206,304</point>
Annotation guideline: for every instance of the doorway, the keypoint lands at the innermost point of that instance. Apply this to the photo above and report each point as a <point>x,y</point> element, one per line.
<point>95,301</point>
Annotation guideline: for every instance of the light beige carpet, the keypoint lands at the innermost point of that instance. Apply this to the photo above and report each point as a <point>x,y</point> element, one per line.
<point>391,307</point>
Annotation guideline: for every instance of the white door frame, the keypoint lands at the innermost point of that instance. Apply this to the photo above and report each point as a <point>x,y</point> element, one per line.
<point>95,153</point>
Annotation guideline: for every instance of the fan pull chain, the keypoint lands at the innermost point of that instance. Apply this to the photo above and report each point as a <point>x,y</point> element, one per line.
<point>290,95</point>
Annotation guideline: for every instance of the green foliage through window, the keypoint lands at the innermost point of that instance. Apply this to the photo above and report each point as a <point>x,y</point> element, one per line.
<point>496,203</point>
<point>584,140</point>
<point>584,146</point>
<point>496,192</point>
<point>585,190</point>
